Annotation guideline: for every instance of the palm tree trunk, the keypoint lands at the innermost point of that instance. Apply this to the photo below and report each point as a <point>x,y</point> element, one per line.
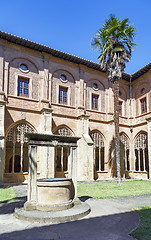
<point>116,124</point>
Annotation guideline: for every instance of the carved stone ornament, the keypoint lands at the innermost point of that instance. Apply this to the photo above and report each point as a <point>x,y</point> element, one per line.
<point>17,133</point>
<point>125,142</point>
<point>63,132</point>
<point>97,139</point>
<point>141,141</point>
<point>55,143</point>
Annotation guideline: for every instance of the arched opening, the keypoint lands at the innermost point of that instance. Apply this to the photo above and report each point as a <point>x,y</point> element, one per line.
<point>16,150</point>
<point>62,153</point>
<point>141,153</point>
<point>99,151</point>
<point>126,149</point>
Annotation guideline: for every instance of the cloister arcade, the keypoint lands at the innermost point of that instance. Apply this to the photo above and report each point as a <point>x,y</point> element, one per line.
<point>16,150</point>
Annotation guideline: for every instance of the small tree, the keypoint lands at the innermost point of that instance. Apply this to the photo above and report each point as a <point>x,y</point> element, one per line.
<point>115,41</point>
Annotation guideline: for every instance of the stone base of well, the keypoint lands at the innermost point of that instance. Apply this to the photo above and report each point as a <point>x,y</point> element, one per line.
<point>76,212</point>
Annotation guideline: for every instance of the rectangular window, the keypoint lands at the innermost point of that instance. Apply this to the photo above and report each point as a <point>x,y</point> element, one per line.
<point>23,87</point>
<point>120,108</point>
<point>63,95</point>
<point>94,101</point>
<point>143,105</point>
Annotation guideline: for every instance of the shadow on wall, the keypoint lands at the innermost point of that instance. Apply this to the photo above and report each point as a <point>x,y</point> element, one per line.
<point>8,119</point>
<point>112,159</point>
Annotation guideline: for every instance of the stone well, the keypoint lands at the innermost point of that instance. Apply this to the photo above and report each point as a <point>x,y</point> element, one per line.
<point>54,194</point>
<point>52,199</point>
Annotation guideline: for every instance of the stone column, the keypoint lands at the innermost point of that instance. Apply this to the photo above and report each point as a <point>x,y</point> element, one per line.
<point>2,114</point>
<point>70,163</point>
<point>6,79</point>
<point>1,159</point>
<point>85,151</point>
<point>46,80</point>
<point>74,168</point>
<point>50,162</point>
<point>85,124</point>
<point>32,174</point>
<point>47,162</point>
<point>149,144</point>
<point>1,67</point>
<point>47,153</point>
<point>47,120</point>
<point>50,87</point>
<point>132,157</point>
<point>81,77</point>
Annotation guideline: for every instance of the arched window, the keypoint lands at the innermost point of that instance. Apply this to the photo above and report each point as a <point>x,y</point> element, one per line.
<point>99,150</point>
<point>141,153</point>
<point>125,142</point>
<point>62,153</point>
<point>16,159</point>
<point>63,131</point>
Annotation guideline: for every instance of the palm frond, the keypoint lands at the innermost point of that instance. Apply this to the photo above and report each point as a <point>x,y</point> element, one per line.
<point>115,36</point>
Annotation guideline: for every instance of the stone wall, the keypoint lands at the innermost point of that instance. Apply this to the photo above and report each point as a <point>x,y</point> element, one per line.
<point>44,74</point>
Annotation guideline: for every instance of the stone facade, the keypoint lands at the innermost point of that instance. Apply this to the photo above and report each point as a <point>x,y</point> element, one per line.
<point>70,98</point>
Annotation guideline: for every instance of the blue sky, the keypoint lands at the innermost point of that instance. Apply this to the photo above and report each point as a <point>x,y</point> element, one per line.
<point>69,25</point>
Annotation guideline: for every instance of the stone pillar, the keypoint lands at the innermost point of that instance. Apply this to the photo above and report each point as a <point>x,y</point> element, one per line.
<point>46,80</point>
<point>70,163</point>
<point>85,151</point>
<point>51,162</point>
<point>149,144</point>
<point>1,67</point>
<point>47,162</point>
<point>2,114</point>
<point>1,159</point>
<point>6,79</point>
<point>85,124</point>
<point>50,85</point>
<point>46,153</point>
<point>32,174</point>
<point>74,168</point>
<point>132,157</point>
<point>81,98</point>
<point>47,120</point>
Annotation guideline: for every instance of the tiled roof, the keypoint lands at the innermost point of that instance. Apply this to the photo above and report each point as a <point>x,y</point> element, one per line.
<point>69,57</point>
<point>141,71</point>
<point>42,48</point>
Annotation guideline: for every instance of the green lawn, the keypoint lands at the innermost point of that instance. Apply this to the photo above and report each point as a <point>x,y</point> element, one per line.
<point>128,188</point>
<point>6,194</point>
<point>112,189</point>
<point>143,232</point>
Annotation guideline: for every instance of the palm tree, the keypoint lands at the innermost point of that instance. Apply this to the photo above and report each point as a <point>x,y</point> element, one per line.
<point>115,41</point>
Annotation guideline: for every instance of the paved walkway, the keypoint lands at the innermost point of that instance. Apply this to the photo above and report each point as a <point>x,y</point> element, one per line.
<point>110,219</point>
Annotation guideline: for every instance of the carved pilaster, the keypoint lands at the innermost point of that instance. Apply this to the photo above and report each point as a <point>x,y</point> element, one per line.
<point>84,124</point>
<point>2,114</point>
<point>149,144</point>
<point>85,150</point>
<point>47,120</point>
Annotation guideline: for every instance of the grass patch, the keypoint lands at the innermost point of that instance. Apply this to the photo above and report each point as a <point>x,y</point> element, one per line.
<point>144,229</point>
<point>112,189</point>
<point>7,194</point>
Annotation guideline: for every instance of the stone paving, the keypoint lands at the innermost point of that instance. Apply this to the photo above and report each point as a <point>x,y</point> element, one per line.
<point>110,219</point>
